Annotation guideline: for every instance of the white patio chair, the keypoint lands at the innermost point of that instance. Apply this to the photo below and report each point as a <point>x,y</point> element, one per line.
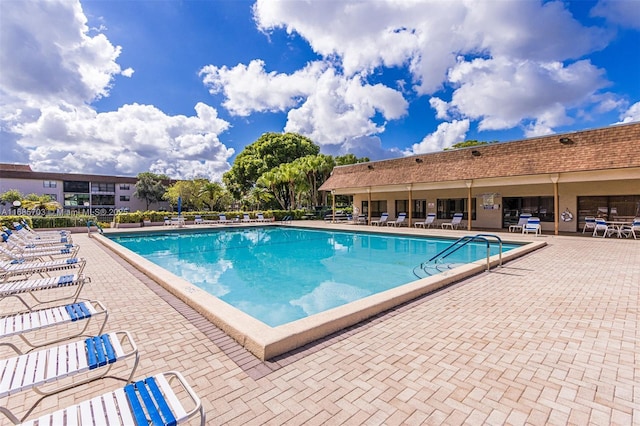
<point>631,230</point>
<point>27,269</point>
<point>381,221</point>
<point>58,368</point>
<point>43,254</point>
<point>522,220</point>
<point>455,222</point>
<point>154,400</point>
<point>431,217</point>
<point>19,288</point>
<point>607,230</point>
<point>400,221</point>
<point>532,225</point>
<point>24,324</point>
<point>589,224</point>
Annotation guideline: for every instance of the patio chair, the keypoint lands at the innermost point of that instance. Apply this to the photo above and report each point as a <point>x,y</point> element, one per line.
<point>42,255</point>
<point>630,230</point>
<point>400,221</point>
<point>361,219</point>
<point>197,220</point>
<point>27,238</point>
<point>11,238</point>
<point>9,269</point>
<point>246,218</point>
<point>167,221</point>
<point>20,230</point>
<point>455,222</point>
<point>607,230</point>
<point>17,246</point>
<point>522,220</point>
<point>431,217</point>
<point>260,218</point>
<point>223,219</point>
<point>381,221</point>
<point>589,224</point>
<point>152,400</point>
<point>17,288</point>
<point>54,232</point>
<point>23,324</point>
<point>532,225</point>
<point>44,371</point>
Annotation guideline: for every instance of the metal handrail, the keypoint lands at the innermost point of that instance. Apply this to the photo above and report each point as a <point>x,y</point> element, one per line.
<point>461,242</point>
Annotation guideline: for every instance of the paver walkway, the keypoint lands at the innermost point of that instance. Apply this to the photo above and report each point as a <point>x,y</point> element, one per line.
<point>551,338</point>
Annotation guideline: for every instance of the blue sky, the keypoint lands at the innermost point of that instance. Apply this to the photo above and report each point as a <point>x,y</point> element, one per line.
<point>180,87</point>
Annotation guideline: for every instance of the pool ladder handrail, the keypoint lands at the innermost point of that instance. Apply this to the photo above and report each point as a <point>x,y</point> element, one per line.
<point>458,244</point>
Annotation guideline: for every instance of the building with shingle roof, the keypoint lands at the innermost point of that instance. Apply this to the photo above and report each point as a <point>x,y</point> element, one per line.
<point>581,174</point>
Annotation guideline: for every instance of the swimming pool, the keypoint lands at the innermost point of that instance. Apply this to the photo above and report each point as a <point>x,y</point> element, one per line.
<point>265,341</point>
<point>278,275</point>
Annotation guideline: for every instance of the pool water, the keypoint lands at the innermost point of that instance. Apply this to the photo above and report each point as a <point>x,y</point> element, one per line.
<point>278,275</point>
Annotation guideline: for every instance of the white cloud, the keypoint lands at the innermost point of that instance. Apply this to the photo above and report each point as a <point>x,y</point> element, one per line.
<point>631,115</point>
<point>446,134</point>
<point>52,70</point>
<point>124,142</point>
<point>323,105</point>
<point>625,13</point>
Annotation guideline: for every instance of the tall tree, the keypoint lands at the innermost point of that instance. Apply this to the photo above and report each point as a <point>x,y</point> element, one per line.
<point>150,187</point>
<point>268,152</point>
<point>343,160</point>
<point>210,193</point>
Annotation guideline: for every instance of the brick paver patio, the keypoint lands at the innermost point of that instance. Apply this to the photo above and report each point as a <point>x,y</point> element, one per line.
<point>551,338</point>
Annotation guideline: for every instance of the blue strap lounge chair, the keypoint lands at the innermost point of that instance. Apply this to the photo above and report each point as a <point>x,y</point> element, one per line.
<point>24,324</point>
<point>381,221</point>
<point>522,220</point>
<point>43,254</point>
<point>532,225</point>
<point>9,269</point>
<point>164,399</point>
<point>430,220</point>
<point>455,222</point>
<point>52,370</point>
<point>19,288</point>
<point>400,221</point>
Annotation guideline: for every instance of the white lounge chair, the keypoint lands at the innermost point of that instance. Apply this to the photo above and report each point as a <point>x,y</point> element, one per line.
<point>607,230</point>
<point>26,269</point>
<point>400,221</point>
<point>198,220</point>
<point>17,288</point>
<point>381,221</point>
<point>152,400</point>
<point>167,221</point>
<point>631,230</point>
<point>22,232</point>
<point>52,232</point>
<point>27,238</point>
<point>44,371</point>
<point>246,218</point>
<point>260,218</point>
<point>23,324</point>
<point>430,220</point>
<point>43,254</point>
<point>455,222</point>
<point>532,225</point>
<point>589,224</point>
<point>522,220</point>
<point>13,239</point>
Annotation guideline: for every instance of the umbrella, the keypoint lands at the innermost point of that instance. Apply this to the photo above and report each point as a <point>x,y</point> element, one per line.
<point>179,206</point>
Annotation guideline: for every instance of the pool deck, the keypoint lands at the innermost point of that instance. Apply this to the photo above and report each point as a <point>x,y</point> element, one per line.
<point>551,338</point>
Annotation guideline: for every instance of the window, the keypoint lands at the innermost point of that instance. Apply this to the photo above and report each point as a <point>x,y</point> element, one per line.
<point>125,187</point>
<point>402,206</point>
<point>419,209</point>
<point>76,200</point>
<point>378,207</point>
<point>624,207</point>
<point>49,184</point>
<point>103,200</point>
<point>541,207</point>
<point>76,186</point>
<point>103,187</point>
<point>125,198</point>
<point>448,207</point>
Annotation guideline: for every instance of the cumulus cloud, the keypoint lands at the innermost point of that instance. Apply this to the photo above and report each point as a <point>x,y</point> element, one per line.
<point>53,70</point>
<point>132,139</point>
<point>446,135</point>
<point>624,13</point>
<point>630,115</point>
<point>322,104</point>
<point>506,64</point>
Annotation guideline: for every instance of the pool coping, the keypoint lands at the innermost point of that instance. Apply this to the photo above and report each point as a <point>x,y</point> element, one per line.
<point>267,342</point>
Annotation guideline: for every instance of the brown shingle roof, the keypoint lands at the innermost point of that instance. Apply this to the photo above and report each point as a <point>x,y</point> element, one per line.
<point>614,147</point>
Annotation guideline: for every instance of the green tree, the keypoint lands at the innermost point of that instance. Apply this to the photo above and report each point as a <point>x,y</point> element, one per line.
<point>467,144</point>
<point>268,152</point>
<point>40,202</point>
<point>10,196</point>
<point>317,169</point>
<point>150,187</point>
<point>210,194</point>
<point>343,160</point>
<point>185,189</point>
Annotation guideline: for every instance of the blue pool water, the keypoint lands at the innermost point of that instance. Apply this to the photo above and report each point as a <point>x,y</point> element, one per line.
<point>278,275</point>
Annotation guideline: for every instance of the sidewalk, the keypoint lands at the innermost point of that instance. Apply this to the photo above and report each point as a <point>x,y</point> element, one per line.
<point>551,338</point>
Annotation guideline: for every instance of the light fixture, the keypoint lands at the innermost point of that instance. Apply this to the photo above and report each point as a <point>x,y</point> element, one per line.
<point>476,153</point>
<point>566,141</point>
<point>418,160</point>
<point>370,167</point>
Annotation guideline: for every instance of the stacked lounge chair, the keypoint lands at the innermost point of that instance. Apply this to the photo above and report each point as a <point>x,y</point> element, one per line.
<point>46,369</point>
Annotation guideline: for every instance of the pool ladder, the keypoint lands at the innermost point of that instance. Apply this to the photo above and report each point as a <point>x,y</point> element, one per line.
<point>436,264</point>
